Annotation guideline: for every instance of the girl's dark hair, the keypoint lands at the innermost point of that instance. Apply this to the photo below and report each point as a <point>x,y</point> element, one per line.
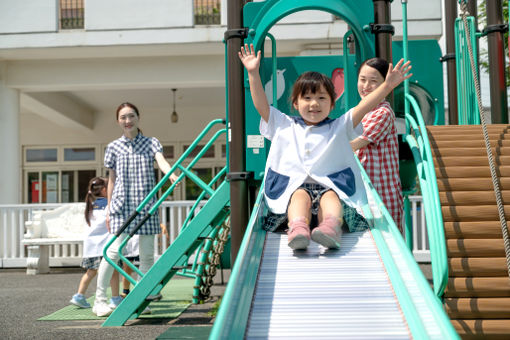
<point>379,64</point>
<point>131,106</point>
<point>96,185</point>
<point>311,82</point>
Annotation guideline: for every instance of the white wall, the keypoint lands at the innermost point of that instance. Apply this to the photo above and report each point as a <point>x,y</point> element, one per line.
<point>28,16</point>
<point>119,14</point>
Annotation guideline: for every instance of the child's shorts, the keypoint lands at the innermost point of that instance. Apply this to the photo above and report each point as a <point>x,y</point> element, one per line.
<point>353,220</point>
<point>91,262</point>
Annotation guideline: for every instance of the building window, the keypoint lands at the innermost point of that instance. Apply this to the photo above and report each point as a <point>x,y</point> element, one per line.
<point>208,154</point>
<point>41,155</point>
<point>207,12</point>
<point>79,154</point>
<point>168,151</point>
<point>71,14</point>
<point>192,189</point>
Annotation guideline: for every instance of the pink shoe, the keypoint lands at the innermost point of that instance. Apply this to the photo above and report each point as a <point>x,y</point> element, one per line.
<point>298,234</point>
<point>328,233</point>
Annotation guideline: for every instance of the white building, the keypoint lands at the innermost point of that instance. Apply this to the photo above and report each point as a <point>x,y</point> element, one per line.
<point>61,80</point>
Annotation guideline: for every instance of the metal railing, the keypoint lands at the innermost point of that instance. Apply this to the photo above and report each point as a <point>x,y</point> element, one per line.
<point>72,14</point>
<point>12,229</point>
<point>207,12</point>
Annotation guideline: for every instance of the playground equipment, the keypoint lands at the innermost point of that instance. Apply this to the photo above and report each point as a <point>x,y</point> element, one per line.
<point>372,287</point>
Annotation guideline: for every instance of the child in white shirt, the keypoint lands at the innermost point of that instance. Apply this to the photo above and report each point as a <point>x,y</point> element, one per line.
<point>95,239</point>
<point>305,177</point>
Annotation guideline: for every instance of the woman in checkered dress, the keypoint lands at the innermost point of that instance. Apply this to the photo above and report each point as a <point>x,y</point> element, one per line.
<point>377,147</point>
<point>130,160</point>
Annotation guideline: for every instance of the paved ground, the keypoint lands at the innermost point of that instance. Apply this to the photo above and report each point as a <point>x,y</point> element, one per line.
<point>25,298</point>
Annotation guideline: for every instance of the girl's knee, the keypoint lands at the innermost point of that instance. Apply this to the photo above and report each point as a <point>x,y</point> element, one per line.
<point>300,196</point>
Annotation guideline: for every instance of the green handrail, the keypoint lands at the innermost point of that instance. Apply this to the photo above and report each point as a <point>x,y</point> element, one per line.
<point>428,184</point>
<point>468,112</point>
<point>234,310</point>
<point>420,147</point>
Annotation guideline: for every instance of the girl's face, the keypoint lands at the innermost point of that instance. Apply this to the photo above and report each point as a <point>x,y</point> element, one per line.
<point>368,80</point>
<point>314,107</point>
<point>128,121</point>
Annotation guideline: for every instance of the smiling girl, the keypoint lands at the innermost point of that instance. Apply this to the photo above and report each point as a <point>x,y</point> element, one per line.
<point>311,175</point>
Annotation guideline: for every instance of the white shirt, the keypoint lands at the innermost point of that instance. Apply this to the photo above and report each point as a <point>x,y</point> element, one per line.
<point>96,235</point>
<point>321,152</point>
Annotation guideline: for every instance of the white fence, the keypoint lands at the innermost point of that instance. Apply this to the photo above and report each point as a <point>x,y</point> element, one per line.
<point>173,214</point>
<point>12,228</point>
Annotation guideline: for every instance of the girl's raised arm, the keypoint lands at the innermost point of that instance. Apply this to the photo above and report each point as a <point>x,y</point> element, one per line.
<point>395,76</point>
<point>251,62</point>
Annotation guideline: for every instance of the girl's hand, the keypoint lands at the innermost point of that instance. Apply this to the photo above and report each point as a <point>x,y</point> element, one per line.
<point>173,178</point>
<point>399,73</point>
<point>249,58</point>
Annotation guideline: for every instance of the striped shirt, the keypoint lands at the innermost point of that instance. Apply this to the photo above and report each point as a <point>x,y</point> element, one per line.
<point>380,158</point>
<point>133,163</point>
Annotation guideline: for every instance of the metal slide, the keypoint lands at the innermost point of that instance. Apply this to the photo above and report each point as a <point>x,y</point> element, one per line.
<point>371,288</point>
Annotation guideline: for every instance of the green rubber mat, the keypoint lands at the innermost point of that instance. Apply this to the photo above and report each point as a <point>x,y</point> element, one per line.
<point>177,295</point>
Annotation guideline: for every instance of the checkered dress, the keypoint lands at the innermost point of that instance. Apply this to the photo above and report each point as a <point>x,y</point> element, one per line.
<point>133,162</point>
<point>380,158</point>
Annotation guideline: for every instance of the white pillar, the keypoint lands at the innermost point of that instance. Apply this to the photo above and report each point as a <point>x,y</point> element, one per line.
<point>10,149</point>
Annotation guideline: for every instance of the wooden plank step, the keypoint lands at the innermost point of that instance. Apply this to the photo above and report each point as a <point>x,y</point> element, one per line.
<point>471,171</point>
<point>468,144</point>
<point>473,229</point>
<point>478,308</point>
<point>447,161</point>
<point>468,184</point>
<point>475,248</point>
<point>472,197</point>
<point>446,128</point>
<point>466,213</point>
<point>469,152</point>
<point>459,135</point>
<point>477,266</point>
<point>493,329</point>
<point>478,287</point>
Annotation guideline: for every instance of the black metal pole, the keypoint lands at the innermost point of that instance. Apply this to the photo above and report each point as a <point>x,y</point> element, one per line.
<point>450,16</point>
<point>238,188</point>
<point>382,16</point>
<point>496,55</point>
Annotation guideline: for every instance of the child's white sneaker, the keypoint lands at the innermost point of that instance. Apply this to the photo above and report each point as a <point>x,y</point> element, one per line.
<point>101,309</point>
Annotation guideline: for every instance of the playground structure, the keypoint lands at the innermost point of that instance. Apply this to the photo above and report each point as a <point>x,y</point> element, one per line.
<point>372,287</point>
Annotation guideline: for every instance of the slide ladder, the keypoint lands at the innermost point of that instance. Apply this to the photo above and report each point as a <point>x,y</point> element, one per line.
<point>210,217</point>
<point>198,231</point>
<point>477,297</point>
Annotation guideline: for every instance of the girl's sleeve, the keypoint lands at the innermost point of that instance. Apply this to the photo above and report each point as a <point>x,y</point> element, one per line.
<point>156,146</point>
<point>110,157</point>
<point>377,125</point>
<point>351,131</point>
<point>276,119</point>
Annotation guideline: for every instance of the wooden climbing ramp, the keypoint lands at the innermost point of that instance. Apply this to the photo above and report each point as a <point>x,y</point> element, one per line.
<point>477,297</point>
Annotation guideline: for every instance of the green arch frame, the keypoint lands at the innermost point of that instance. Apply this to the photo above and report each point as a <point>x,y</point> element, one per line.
<point>358,15</point>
